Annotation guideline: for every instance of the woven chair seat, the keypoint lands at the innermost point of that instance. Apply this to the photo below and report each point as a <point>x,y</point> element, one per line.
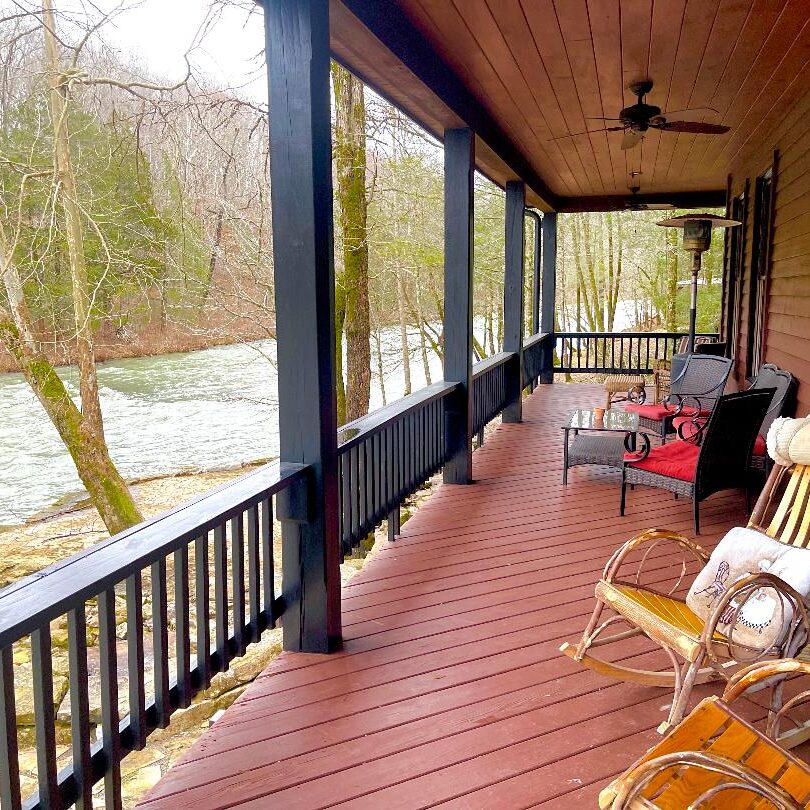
<point>623,382</point>
<point>666,619</point>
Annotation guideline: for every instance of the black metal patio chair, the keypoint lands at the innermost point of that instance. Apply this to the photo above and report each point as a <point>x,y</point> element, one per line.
<point>694,392</point>
<point>718,458</point>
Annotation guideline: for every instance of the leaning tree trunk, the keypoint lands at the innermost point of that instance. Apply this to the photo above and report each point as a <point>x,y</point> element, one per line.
<point>107,490</point>
<point>350,165</point>
<point>81,431</point>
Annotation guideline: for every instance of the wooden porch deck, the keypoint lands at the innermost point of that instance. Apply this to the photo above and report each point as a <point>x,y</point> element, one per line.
<point>450,690</point>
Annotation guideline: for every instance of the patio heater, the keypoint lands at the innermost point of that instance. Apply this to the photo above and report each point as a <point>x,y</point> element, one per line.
<point>697,238</point>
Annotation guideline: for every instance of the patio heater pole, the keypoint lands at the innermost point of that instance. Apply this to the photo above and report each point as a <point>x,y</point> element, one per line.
<point>697,238</point>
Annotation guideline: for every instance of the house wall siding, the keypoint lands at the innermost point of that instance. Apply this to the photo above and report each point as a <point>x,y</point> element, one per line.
<point>787,325</point>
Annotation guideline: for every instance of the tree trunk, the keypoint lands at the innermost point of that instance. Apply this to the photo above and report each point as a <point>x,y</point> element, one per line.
<point>403,333</point>
<point>350,163</point>
<point>81,431</point>
<point>106,488</point>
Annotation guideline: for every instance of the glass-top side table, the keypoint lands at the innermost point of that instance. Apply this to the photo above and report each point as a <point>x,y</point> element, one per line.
<point>616,433</point>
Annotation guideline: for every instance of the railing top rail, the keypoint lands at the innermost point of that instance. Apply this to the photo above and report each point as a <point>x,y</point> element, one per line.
<point>631,334</point>
<point>353,433</point>
<point>530,341</point>
<point>34,600</point>
<point>482,366</point>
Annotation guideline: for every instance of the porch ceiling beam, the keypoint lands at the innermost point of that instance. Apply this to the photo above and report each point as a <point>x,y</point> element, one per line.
<point>391,27</point>
<point>619,202</point>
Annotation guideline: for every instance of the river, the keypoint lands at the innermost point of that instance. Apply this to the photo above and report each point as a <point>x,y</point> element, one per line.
<point>200,410</point>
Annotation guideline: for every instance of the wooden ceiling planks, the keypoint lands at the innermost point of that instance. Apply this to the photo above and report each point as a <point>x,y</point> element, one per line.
<point>725,31</point>
<point>554,78</point>
<point>575,30</point>
<point>550,68</point>
<point>439,21</point>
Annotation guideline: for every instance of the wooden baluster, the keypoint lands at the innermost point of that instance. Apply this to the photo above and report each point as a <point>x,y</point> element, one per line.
<point>182,626</point>
<point>344,462</point>
<point>268,567</point>
<point>160,641</point>
<point>221,596</point>
<point>108,666</point>
<point>79,707</point>
<point>238,582</point>
<point>202,598</point>
<point>135,660</point>
<point>254,584</point>
<point>356,493</point>
<point>9,762</point>
<point>44,722</point>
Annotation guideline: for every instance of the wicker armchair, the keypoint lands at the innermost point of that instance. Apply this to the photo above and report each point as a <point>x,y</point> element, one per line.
<point>693,392</point>
<point>717,457</point>
<point>716,759</point>
<point>660,612</point>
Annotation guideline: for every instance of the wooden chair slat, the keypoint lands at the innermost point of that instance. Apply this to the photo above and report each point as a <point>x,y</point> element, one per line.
<point>795,511</point>
<point>733,743</point>
<point>796,781</point>
<point>785,503</point>
<point>803,534</point>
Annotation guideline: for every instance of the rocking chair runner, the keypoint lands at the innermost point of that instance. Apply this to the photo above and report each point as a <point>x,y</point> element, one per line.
<point>716,759</point>
<point>707,652</point>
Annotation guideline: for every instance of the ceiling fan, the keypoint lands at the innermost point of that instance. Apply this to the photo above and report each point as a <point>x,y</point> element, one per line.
<point>634,204</point>
<point>636,119</point>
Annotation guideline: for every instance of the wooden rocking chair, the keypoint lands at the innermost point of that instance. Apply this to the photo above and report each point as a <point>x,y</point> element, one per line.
<point>707,653</point>
<point>715,759</point>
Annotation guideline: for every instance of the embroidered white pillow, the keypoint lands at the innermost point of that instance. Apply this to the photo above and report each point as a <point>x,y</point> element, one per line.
<point>764,619</point>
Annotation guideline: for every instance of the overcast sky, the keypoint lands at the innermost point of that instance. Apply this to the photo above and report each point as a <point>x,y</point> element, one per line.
<point>159,32</point>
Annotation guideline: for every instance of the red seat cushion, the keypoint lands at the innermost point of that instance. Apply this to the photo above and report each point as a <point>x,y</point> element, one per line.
<point>658,412</point>
<point>760,446</point>
<point>676,459</point>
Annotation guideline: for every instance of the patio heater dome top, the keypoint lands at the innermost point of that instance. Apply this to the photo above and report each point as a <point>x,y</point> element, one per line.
<point>716,221</point>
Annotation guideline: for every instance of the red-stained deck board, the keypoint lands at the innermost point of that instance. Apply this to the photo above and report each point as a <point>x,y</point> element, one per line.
<point>450,690</point>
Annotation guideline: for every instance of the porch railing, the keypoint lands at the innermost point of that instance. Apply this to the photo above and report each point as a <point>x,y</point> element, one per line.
<point>614,352</point>
<point>191,589</point>
<point>385,457</point>
<point>489,389</point>
<point>170,558</point>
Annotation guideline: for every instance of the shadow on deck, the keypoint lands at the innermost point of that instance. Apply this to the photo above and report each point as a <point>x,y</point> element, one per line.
<point>450,689</point>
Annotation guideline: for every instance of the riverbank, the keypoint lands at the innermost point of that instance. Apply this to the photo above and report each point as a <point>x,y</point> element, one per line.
<point>153,343</point>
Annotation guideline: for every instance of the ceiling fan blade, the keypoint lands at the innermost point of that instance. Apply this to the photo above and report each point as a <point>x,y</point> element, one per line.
<point>600,118</point>
<point>631,139</point>
<point>695,127</point>
<point>694,114</point>
<point>588,132</point>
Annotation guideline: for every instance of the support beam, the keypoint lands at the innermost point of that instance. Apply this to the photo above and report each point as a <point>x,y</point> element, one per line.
<point>549,292</point>
<point>513,296</point>
<point>459,163</point>
<point>537,264</point>
<point>297,43</point>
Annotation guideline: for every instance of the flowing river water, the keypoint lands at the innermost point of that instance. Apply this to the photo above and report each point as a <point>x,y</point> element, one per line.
<point>200,410</point>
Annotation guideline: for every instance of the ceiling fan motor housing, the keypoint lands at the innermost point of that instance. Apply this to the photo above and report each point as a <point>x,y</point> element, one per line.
<point>638,115</point>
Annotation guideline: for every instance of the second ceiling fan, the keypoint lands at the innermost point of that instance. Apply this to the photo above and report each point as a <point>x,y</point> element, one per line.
<point>636,119</point>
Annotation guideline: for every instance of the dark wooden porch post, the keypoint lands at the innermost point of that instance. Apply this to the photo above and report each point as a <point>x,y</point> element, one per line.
<point>297,40</point>
<point>459,162</point>
<point>549,293</point>
<point>513,297</point>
